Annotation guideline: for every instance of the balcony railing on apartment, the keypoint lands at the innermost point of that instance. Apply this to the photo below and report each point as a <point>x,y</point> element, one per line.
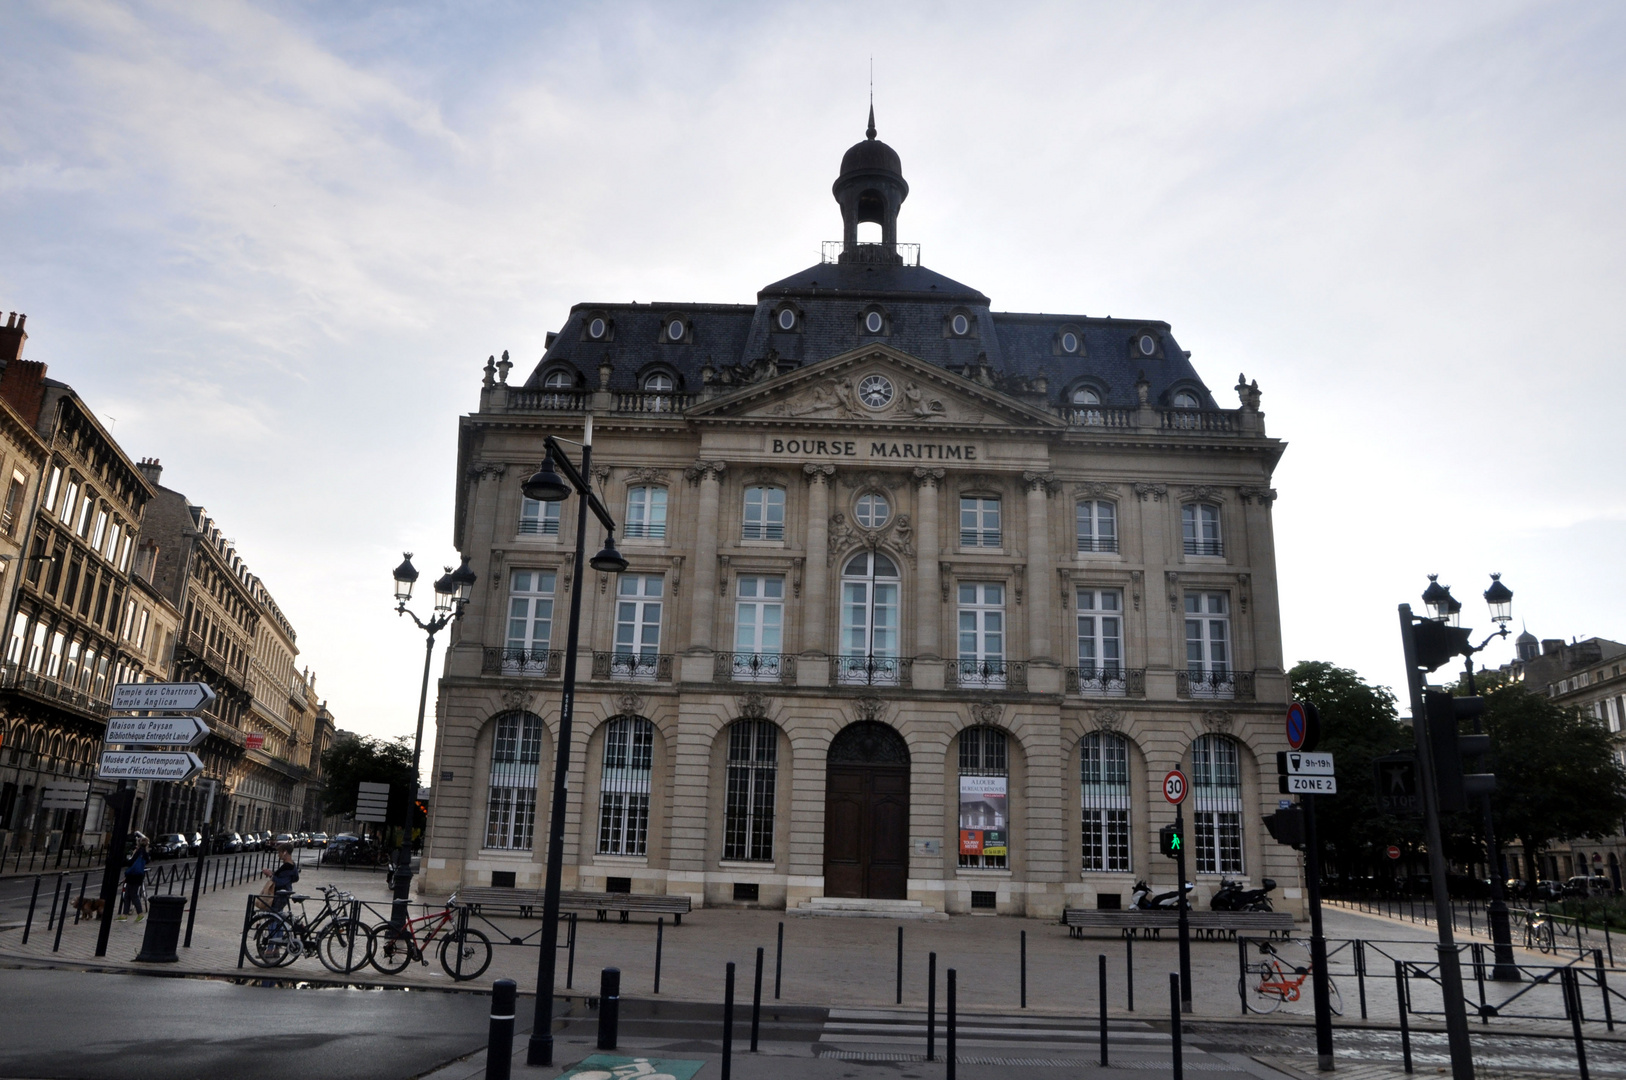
<point>215,658</point>
<point>872,671</point>
<point>549,400</point>
<point>986,674</point>
<point>650,402</point>
<point>988,538</point>
<point>756,530</point>
<point>635,667</point>
<point>754,667</point>
<point>539,526</point>
<point>1238,685</point>
<point>1098,543</point>
<point>43,687</point>
<point>1110,681</point>
<point>536,663</point>
<point>1200,420</point>
<point>1205,547</point>
<point>1096,416</point>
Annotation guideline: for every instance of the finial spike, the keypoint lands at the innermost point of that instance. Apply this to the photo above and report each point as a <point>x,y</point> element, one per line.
<point>871,130</point>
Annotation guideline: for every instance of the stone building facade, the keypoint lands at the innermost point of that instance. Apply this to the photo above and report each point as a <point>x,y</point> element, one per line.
<point>924,600</point>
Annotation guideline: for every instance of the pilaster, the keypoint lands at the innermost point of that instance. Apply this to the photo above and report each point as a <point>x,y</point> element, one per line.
<point>816,595</point>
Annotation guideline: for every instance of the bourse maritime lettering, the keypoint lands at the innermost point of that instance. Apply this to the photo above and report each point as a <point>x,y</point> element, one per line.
<point>852,447</point>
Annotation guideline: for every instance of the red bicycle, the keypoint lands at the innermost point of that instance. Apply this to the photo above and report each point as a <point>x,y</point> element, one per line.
<point>465,952</point>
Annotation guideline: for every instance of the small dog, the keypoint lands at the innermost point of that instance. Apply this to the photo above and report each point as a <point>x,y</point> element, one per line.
<point>89,907</point>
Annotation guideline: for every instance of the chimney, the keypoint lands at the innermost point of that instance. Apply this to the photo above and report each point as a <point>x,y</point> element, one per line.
<point>150,468</point>
<point>22,383</point>
<point>1549,646</point>
<point>12,336</point>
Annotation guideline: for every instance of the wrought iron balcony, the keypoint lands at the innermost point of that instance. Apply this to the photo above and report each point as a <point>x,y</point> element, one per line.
<point>872,671</point>
<point>635,667</point>
<point>754,667</point>
<point>537,663</point>
<point>1238,685</point>
<point>1098,543</point>
<point>42,687</point>
<point>986,675</point>
<point>1204,547</point>
<point>1111,681</point>
<point>988,538</point>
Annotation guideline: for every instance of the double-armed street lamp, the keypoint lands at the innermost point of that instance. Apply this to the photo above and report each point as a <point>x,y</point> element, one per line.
<point>545,485</point>
<point>452,591</point>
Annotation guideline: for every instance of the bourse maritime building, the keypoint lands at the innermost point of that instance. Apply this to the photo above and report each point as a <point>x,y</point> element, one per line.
<point>924,602</point>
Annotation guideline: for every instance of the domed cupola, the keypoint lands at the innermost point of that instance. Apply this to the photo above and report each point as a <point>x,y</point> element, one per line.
<point>871,187</point>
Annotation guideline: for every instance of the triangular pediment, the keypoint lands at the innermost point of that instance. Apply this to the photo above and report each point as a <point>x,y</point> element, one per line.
<point>877,385</point>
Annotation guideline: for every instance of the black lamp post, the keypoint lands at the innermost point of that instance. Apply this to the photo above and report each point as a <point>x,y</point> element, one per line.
<point>1446,608</point>
<point>545,485</point>
<point>452,591</point>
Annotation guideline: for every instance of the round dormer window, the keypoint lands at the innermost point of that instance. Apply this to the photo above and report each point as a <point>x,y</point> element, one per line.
<point>1185,399</point>
<point>595,329</point>
<point>674,330</point>
<point>873,322</point>
<point>558,379</point>
<point>1148,345</point>
<point>960,325</point>
<point>787,319</point>
<point>1069,343</point>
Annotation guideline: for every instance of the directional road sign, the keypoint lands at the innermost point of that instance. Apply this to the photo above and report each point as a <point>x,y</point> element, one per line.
<point>1174,787</point>
<point>156,730</point>
<point>1307,785</point>
<point>372,802</point>
<point>1291,762</point>
<point>137,765</point>
<point>65,795</point>
<point>161,697</point>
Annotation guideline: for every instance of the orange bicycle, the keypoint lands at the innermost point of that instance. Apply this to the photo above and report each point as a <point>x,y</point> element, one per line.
<point>465,953</point>
<point>1273,980</point>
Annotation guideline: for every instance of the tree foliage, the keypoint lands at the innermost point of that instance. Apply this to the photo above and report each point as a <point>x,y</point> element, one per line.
<point>350,762</point>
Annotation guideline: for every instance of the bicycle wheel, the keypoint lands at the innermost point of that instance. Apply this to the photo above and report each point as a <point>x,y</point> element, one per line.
<point>476,954</point>
<point>1259,999</point>
<point>1334,998</point>
<point>271,941</point>
<point>393,949</point>
<point>346,946</point>
<point>1544,938</point>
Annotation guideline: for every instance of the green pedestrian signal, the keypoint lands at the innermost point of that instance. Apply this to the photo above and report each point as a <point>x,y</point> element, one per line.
<point>1169,841</point>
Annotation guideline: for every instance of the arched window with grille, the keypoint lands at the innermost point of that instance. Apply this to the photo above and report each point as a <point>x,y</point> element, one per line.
<point>623,804</point>
<point>1216,797</point>
<point>1104,797</point>
<point>516,747</point>
<point>753,764</point>
<point>984,798</point>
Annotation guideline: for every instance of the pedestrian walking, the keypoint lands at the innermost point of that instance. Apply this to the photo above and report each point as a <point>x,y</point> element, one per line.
<point>135,876</point>
<point>283,876</point>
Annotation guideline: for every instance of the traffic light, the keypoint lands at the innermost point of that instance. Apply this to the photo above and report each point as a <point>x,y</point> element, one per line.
<point>1435,643</point>
<point>1287,826</point>
<point>1169,841</point>
<point>1451,749</point>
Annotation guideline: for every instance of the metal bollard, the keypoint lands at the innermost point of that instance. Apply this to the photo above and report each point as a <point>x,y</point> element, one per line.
<point>67,894</point>
<point>570,964</point>
<point>778,961</point>
<point>500,1042</point>
<point>56,894</point>
<point>1129,970</point>
<point>728,1023</point>
<point>1174,1023</point>
<point>33,899</point>
<point>1360,973</point>
<point>756,1002</point>
<point>899,998</point>
<point>931,1006</point>
<point>84,880</point>
<point>1571,985</point>
<point>951,1055</point>
<point>660,941</point>
<point>609,1007</point>
<point>1103,988</point>
<point>1603,988</point>
<point>1024,969</point>
<point>1402,993</point>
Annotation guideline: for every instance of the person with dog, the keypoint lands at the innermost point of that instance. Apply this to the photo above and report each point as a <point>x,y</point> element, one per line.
<point>135,875</point>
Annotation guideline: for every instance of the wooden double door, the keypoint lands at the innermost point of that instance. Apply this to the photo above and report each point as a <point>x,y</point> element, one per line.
<point>866,831</point>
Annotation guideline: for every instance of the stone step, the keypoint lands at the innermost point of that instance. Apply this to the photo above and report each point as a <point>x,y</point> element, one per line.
<point>864,908</point>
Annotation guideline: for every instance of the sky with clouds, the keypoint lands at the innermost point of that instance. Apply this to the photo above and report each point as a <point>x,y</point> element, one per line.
<point>273,244</point>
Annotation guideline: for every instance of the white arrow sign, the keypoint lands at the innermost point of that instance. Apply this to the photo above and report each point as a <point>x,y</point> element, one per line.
<point>161,697</point>
<point>156,730</point>
<point>1293,762</point>
<point>65,795</point>
<point>122,765</point>
<point>1308,785</point>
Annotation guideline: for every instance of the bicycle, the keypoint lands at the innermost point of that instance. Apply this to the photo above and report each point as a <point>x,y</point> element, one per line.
<point>1538,932</point>
<point>465,953</point>
<point>342,943</point>
<point>1279,982</point>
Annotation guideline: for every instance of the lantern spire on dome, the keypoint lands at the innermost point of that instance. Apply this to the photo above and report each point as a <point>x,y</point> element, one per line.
<point>870,131</point>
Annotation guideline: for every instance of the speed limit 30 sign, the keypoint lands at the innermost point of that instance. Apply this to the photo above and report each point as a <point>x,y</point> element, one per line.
<point>1174,787</point>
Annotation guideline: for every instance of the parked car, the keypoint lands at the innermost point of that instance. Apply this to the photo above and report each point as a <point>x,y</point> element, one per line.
<point>1547,890</point>
<point>350,849</point>
<point>319,839</point>
<point>194,843</point>
<point>169,846</point>
<point>282,838</point>
<point>227,843</point>
<point>1582,886</point>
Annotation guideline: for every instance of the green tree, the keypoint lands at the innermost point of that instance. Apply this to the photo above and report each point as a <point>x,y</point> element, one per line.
<point>1556,776</point>
<point>1358,724</point>
<point>350,762</point>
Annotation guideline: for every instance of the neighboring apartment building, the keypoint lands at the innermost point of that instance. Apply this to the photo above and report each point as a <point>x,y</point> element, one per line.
<point>321,735</point>
<point>924,601</point>
<point>1589,675</point>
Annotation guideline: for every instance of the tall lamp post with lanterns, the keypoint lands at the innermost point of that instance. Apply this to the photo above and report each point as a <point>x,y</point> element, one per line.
<point>452,591</point>
<point>1445,608</point>
<point>545,485</point>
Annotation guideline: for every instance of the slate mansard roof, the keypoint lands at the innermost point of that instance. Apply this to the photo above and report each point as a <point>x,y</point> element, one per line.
<point>830,300</point>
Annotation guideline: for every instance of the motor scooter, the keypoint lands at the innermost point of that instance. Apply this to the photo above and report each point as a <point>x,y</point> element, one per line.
<point>1233,897</point>
<point>1141,898</point>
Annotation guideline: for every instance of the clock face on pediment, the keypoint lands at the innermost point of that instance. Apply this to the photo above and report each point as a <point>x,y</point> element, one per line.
<point>875,391</point>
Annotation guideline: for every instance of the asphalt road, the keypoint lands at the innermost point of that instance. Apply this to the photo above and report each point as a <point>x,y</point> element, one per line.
<point>73,1025</point>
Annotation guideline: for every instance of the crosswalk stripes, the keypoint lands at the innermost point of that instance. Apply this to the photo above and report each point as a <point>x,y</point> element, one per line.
<point>905,1030</point>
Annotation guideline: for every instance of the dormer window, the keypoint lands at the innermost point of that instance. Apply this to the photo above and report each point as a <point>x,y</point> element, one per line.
<point>873,321</point>
<point>659,383</point>
<point>1085,395</point>
<point>1185,399</point>
<point>1146,345</point>
<point>959,325</point>
<point>1069,343</point>
<point>786,319</point>
<point>597,328</point>
<point>676,329</point>
<point>558,379</point>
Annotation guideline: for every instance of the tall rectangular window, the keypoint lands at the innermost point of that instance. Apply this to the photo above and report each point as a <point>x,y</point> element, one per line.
<point>637,626</point>
<point>1200,526</point>
<point>87,506</point>
<point>511,802</point>
<point>36,648</point>
<point>19,639</point>
<point>1208,642</point>
<point>14,504</point>
<point>537,518</point>
<point>759,622</point>
<point>1100,641</point>
<point>1097,524</point>
<point>753,762</point>
<point>52,487</point>
<point>1216,795</point>
<point>980,659</point>
<point>100,532</point>
<point>646,513</point>
<point>764,513</point>
<point>70,503</point>
<point>623,819</point>
<point>984,799</point>
<point>979,522</point>
<point>530,621</point>
<point>1104,796</point>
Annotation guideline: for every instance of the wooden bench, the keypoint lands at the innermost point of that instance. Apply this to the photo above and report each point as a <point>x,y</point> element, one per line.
<point>1151,924</point>
<point>529,901</point>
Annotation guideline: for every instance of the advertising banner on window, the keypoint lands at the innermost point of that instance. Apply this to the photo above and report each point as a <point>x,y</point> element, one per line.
<point>983,815</point>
